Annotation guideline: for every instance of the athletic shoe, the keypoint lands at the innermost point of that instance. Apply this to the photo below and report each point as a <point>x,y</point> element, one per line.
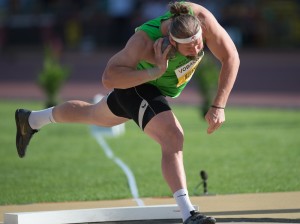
<point>198,218</point>
<point>24,131</point>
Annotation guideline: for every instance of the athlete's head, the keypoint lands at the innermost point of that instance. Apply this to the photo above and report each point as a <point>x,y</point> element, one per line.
<point>185,30</point>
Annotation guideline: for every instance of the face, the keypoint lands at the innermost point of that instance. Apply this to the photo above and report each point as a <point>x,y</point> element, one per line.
<point>191,49</point>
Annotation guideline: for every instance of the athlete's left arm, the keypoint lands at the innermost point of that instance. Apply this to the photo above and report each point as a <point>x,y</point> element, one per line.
<point>223,48</point>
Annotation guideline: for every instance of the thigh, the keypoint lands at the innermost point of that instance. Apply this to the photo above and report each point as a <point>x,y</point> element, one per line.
<point>140,103</point>
<point>103,116</point>
<point>164,127</point>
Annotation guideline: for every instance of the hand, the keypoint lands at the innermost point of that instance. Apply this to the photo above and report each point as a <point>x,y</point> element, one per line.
<point>161,59</point>
<point>214,117</point>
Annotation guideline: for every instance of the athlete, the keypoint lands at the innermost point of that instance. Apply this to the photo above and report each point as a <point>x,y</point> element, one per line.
<point>142,75</point>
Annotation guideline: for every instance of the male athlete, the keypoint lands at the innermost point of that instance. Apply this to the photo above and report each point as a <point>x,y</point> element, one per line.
<point>141,76</point>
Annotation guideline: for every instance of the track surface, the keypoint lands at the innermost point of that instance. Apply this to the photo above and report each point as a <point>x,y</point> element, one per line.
<point>246,208</point>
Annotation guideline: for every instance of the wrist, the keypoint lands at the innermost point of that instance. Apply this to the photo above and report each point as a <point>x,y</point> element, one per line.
<point>217,107</point>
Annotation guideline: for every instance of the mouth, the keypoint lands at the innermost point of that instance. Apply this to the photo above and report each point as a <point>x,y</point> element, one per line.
<point>193,53</point>
<point>196,55</point>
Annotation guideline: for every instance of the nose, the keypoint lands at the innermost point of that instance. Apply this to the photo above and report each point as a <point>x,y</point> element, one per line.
<point>196,49</point>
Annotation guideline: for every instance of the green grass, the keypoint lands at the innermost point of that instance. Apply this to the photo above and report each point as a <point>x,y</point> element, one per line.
<point>256,150</point>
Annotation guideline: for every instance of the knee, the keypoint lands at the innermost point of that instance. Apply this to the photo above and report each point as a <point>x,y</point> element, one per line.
<point>173,140</point>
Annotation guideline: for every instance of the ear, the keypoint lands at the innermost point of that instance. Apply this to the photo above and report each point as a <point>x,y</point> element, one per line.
<point>172,42</point>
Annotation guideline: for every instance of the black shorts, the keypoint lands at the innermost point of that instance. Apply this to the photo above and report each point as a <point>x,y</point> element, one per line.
<point>140,103</point>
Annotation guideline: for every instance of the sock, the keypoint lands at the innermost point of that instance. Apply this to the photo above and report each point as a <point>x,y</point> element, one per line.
<point>38,119</point>
<point>183,201</point>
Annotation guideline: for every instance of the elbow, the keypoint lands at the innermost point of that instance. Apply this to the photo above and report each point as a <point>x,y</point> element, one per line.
<point>237,59</point>
<point>233,60</point>
<point>107,81</point>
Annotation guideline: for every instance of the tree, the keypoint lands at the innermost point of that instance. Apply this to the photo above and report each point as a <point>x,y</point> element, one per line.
<point>52,78</point>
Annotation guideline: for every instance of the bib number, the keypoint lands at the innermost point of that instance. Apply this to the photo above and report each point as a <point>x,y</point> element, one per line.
<point>185,72</point>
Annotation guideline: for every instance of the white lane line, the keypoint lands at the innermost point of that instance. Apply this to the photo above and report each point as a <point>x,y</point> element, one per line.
<point>109,153</point>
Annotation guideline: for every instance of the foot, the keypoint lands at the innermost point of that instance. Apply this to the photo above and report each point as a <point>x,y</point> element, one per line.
<point>24,131</point>
<point>198,218</point>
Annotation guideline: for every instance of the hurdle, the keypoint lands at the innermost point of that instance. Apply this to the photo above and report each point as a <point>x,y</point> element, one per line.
<point>96,215</point>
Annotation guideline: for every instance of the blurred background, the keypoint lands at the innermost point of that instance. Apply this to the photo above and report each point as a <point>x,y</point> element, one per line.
<point>83,34</point>
<point>53,50</point>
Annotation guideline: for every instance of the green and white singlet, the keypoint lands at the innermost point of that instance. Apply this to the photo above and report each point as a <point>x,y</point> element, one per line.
<point>180,69</point>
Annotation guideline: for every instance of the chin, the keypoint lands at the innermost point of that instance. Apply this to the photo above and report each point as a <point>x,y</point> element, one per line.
<point>193,57</point>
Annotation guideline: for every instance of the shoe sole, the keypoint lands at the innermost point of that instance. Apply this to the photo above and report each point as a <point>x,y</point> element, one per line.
<point>21,154</point>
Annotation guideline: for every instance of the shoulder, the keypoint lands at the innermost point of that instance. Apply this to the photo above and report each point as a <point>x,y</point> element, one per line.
<point>140,44</point>
<point>209,23</point>
<point>139,47</point>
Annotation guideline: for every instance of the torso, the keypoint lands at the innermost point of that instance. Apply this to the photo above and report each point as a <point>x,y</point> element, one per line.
<point>180,69</point>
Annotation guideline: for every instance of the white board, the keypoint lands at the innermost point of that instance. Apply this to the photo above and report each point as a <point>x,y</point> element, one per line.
<point>95,215</point>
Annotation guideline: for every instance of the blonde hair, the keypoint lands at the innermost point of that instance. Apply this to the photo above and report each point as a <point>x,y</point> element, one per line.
<point>183,24</point>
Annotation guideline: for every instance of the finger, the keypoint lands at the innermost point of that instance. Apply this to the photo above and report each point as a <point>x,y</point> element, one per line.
<point>156,45</point>
<point>210,129</point>
<point>213,127</point>
<point>165,53</point>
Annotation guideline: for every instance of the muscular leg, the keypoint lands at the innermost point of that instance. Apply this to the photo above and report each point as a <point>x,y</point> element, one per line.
<point>29,122</point>
<point>82,112</point>
<point>166,130</point>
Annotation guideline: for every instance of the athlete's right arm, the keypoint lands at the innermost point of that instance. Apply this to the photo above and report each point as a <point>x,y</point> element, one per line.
<point>121,71</point>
